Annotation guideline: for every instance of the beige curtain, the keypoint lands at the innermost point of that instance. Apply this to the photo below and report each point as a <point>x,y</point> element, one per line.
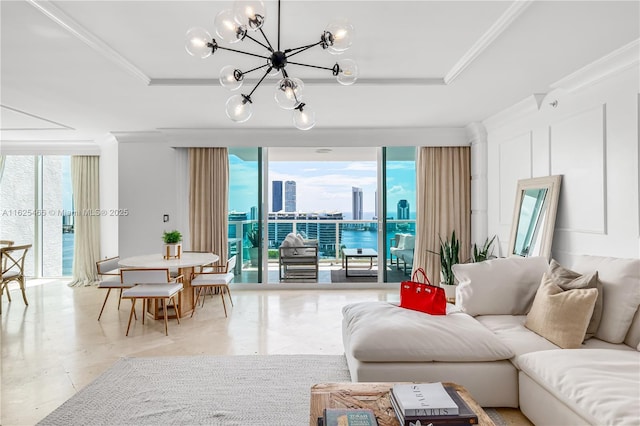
<point>208,200</point>
<point>3,159</point>
<point>443,191</point>
<point>85,182</point>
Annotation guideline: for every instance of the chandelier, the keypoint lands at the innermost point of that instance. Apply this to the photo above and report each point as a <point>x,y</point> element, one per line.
<point>243,22</point>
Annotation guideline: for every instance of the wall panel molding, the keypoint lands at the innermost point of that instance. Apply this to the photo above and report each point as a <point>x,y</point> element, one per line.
<point>578,152</point>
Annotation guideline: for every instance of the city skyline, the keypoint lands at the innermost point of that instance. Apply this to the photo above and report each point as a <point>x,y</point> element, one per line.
<point>325,186</point>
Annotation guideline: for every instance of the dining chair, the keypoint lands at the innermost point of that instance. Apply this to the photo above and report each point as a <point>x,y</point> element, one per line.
<point>151,284</point>
<point>109,275</point>
<point>218,279</point>
<point>12,260</point>
<point>3,244</point>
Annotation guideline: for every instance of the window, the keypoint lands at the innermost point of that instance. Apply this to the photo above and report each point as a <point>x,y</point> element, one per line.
<point>36,208</point>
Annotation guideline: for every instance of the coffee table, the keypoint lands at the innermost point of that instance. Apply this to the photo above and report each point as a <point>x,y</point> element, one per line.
<point>374,396</point>
<point>354,254</point>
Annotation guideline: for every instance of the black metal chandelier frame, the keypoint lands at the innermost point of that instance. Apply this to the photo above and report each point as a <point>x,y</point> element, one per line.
<point>278,59</point>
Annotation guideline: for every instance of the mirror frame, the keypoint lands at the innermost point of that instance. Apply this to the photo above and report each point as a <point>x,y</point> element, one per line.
<point>552,185</point>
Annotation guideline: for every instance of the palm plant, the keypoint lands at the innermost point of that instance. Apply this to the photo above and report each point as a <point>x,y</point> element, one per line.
<point>482,254</point>
<point>449,256</point>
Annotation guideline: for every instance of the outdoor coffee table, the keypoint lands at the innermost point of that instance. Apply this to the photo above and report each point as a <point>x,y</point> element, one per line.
<point>356,254</point>
<point>374,396</point>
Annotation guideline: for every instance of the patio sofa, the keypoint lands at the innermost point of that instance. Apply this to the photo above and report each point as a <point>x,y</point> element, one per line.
<point>487,342</point>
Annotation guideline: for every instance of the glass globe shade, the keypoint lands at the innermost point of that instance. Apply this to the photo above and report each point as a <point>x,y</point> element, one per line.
<point>342,33</point>
<point>231,78</point>
<point>289,92</point>
<point>304,118</point>
<point>227,28</point>
<point>238,109</point>
<point>250,14</point>
<point>348,73</point>
<point>196,42</point>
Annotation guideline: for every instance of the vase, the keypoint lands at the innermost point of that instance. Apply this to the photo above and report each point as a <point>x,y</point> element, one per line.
<point>450,292</point>
<point>172,251</point>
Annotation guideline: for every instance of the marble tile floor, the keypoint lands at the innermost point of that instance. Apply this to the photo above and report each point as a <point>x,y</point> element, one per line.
<point>55,346</point>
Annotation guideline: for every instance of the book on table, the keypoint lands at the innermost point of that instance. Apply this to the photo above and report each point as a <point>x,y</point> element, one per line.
<point>465,415</point>
<point>347,417</point>
<point>424,399</point>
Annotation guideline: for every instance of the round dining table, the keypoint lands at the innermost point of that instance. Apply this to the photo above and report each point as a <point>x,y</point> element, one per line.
<point>184,266</point>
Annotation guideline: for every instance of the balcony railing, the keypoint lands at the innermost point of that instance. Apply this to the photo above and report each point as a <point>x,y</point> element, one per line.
<point>330,235</point>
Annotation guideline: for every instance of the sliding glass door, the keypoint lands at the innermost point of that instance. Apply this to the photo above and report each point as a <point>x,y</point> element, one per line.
<point>36,208</point>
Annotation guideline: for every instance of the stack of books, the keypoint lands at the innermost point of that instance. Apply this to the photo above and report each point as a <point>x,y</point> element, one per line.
<point>430,403</point>
<point>347,417</point>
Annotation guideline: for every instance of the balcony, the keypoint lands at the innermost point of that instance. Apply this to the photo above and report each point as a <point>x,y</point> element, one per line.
<point>331,236</point>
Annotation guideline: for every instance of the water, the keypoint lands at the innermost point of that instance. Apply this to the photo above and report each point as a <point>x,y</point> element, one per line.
<point>67,253</point>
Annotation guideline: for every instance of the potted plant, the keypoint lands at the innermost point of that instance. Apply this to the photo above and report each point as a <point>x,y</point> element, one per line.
<point>254,246</point>
<point>449,256</point>
<point>482,254</point>
<point>172,244</point>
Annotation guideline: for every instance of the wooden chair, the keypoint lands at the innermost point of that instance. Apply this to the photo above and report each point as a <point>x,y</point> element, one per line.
<point>12,260</point>
<point>109,274</point>
<point>218,280</point>
<point>151,284</point>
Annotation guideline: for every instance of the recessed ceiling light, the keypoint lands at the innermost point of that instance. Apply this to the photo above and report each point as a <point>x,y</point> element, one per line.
<point>323,150</point>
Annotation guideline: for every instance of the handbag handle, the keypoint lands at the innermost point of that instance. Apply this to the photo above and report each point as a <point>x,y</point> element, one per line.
<point>424,275</point>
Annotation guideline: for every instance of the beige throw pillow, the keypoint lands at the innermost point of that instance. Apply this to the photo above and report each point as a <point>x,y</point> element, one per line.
<point>560,316</point>
<point>567,279</point>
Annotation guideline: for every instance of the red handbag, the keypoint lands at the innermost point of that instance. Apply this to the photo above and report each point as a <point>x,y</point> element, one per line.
<point>422,296</point>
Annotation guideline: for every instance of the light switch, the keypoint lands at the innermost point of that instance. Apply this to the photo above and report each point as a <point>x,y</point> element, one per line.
<point>165,218</point>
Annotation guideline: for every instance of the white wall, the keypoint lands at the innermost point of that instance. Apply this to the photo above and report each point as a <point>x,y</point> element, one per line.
<point>109,196</point>
<point>590,136</point>
<point>147,188</point>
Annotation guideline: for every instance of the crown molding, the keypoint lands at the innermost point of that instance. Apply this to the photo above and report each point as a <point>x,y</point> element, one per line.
<point>90,39</point>
<point>528,105</point>
<point>505,20</point>
<point>619,60</point>
<point>56,125</point>
<point>49,147</point>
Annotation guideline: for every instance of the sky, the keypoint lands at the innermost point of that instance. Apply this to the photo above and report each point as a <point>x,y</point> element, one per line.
<point>324,186</point>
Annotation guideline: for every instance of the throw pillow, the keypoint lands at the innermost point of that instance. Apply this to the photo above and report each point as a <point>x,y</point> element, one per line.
<point>567,279</point>
<point>621,284</point>
<point>504,286</point>
<point>561,316</point>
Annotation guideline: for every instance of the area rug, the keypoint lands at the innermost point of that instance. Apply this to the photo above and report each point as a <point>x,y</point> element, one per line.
<point>363,276</point>
<point>195,390</point>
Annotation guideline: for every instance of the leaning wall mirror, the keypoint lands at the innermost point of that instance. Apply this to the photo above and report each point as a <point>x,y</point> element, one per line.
<point>534,216</point>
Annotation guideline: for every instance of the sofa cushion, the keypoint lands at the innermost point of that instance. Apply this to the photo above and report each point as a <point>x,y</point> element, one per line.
<point>510,330</point>
<point>620,280</point>
<point>608,394</point>
<point>504,286</point>
<point>561,316</point>
<point>384,332</point>
<point>567,279</point>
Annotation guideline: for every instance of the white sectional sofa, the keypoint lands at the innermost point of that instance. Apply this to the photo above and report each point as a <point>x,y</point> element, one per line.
<point>483,343</point>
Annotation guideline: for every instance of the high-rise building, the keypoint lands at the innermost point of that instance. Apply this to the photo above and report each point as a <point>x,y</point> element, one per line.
<point>290,196</point>
<point>403,209</point>
<point>276,196</point>
<point>356,203</point>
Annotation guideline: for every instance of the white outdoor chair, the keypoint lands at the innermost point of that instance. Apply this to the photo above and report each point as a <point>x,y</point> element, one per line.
<point>219,280</point>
